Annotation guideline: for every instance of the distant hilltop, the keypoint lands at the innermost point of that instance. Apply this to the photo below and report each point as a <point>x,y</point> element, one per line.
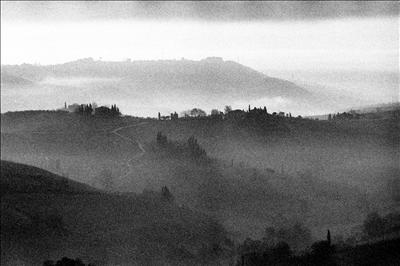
<point>211,82</point>
<point>213,59</point>
<point>211,77</point>
<point>91,60</point>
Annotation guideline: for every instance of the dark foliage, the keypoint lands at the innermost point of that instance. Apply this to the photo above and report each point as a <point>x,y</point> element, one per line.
<point>192,148</point>
<point>107,112</point>
<point>166,194</point>
<point>345,116</point>
<point>262,252</point>
<point>103,111</point>
<point>297,236</point>
<point>66,262</point>
<point>195,149</point>
<point>256,253</point>
<point>161,139</point>
<point>85,109</point>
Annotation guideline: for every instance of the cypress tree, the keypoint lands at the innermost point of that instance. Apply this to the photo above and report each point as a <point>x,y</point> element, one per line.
<point>328,237</point>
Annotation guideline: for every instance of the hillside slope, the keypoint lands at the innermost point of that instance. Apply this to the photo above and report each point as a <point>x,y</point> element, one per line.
<point>267,169</point>
<point>45,216</point>
<point>19,178</point>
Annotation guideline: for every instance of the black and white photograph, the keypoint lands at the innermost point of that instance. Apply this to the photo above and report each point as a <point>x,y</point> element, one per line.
<point>190,133</point>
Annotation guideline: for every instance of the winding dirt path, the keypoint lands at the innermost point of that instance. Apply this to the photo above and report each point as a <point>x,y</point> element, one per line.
<point>140,145</point>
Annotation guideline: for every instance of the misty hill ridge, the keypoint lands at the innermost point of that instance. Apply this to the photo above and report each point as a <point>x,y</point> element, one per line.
<point>210,75</point>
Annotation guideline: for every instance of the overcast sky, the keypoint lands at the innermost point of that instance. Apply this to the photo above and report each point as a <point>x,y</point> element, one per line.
<point>264,35</point>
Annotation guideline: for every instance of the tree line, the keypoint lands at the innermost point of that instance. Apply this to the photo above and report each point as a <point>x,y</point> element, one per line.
<point>89,109</point>
<point>227,113</point>
<point>191,147</point>
<point>281,246</point>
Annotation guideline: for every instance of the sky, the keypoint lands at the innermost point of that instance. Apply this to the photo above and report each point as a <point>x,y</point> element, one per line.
<point>357,36</point>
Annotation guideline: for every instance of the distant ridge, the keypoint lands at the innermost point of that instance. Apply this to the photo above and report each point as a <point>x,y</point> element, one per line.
<point>208,83</point>
<point>208,74</point>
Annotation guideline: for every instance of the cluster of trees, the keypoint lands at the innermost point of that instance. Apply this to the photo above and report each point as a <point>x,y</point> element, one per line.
<point>161,139</point>
<point>173,116</point>
<point>89,109</point>
<point>85,109</point>
<point>65,261</point>
<point>297,236</point>
<point>262,252</point>
<point>259,111</point>
<point>115,110</point>
<point>280,246</point>
<point>228,112</point>
<point>216,112</point>
<point>344,116</point>
<point>195,149</point>
<point>191,147</point>
<point>105,111</point>
<point>166,195</point>
<point>195,112</point>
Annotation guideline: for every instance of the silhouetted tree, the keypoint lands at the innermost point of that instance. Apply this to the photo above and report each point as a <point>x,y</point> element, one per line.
<point>166,194</point>
<point>161,139</point>
<point>328,237</point>
<point>105,111</point>
<point>197,112</point>
<point>174,116</point>
<point>215,112</point>
<point>195,148</point>
<point>227,109</point>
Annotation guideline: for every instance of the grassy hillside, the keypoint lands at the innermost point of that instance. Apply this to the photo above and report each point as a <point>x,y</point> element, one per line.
<point>344,169</point>
<point>19,178</point>
<point>261,171</point>
<point>352,152</point>
<point>45,216</point>
<point>76,146</point>
<point>244,198</point>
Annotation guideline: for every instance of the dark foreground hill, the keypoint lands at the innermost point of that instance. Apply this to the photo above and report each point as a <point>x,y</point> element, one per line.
<point>45,216</point>
<point>19,178</point>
